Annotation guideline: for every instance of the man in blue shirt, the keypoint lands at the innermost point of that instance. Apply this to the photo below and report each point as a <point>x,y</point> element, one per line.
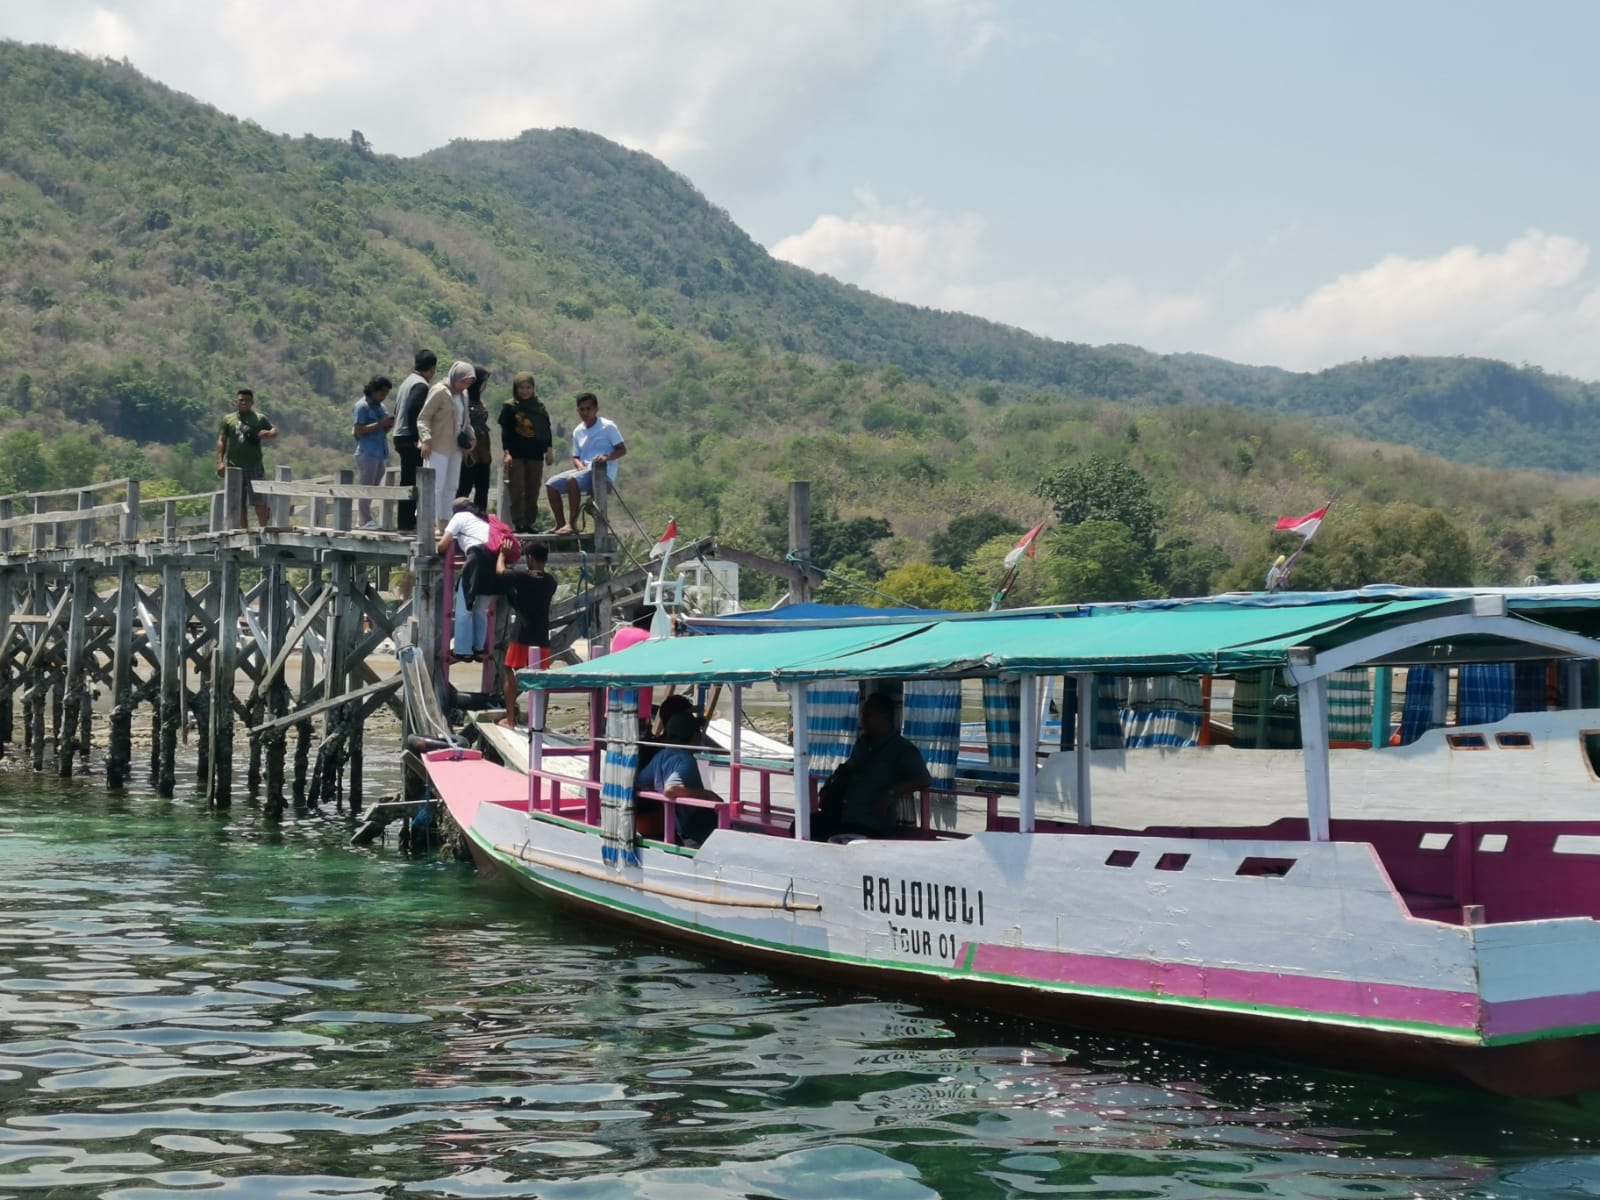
<point>596,441</point>
<point>674,773</point>
<point>371,429</point>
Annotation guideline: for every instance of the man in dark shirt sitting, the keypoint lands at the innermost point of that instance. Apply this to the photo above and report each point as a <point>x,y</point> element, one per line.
<point>881,768</point>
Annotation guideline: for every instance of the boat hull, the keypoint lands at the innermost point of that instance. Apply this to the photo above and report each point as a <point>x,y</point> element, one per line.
<point>1188,939</point>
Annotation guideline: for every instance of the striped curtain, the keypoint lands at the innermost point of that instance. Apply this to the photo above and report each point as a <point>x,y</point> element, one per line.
<point>1161,710</point>
<point>1484,693</point>
<point>1002,725</point>
<point>832,715</point>
<point>1108,693</point>
<point>1277,704</point>
<point>1416,718</point>
<point>1350,706</point>
<point>931,721</point>
<point>617,847</point>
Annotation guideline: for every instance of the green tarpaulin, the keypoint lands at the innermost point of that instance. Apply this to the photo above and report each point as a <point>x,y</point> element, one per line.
<point>1211,637</point>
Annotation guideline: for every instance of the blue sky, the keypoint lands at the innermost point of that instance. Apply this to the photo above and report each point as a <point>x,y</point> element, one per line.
<point>1287,183</point>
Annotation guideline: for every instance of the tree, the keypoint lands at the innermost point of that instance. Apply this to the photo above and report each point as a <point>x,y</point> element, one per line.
<point>966,533</point>
<point>1098,560</point>
<point>23,467</point>
<point>836,545</point>
<point>1184,569</point>
<point>923,585</point>
<point>1404,544</point>
<point>1102,489</point>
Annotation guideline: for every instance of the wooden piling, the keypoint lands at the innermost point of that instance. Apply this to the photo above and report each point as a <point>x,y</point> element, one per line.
<point>174,619</point>
<point>119,752</point>
<point>224,669</point>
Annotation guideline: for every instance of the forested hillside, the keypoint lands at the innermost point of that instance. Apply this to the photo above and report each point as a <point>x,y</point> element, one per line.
<point>157,253</point>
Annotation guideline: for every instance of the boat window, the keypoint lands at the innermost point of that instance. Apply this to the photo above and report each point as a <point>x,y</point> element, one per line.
<point>1435,841</point>
<point>1172,862</point>
<point>1591,750</point>
<point>1577,843</point>
<point>1466,741</point>
<point>1514,741</point>
<point>1492,843</point>
<point>1122,858</point>
<point>1276,867</point>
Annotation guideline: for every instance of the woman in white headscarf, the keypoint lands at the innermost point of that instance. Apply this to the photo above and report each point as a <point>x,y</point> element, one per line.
<point>444,435</point>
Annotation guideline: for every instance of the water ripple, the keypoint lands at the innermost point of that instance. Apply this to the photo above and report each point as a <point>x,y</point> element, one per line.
<point>199,1009</point>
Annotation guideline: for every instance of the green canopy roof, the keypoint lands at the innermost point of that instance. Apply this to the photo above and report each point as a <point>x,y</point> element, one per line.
<point>1191,638</point>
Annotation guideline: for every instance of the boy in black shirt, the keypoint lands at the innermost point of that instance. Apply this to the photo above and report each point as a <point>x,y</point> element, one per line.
<point>529,593</point>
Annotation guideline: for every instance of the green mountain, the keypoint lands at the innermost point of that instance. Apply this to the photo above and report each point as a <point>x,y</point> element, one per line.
<point>158,253</point>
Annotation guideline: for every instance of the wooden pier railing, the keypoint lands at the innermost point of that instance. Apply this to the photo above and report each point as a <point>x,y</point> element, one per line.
<point>170,603</point>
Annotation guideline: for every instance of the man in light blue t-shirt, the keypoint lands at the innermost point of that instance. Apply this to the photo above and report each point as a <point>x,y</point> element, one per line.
<point>595,440</point>
<point>371,429</point>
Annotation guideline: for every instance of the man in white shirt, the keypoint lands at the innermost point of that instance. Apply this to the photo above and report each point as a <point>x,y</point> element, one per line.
<point>595,440</point>
<point>470,533</point>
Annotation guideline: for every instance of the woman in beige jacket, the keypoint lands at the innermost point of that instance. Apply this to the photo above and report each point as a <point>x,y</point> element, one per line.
<point>444,435</point>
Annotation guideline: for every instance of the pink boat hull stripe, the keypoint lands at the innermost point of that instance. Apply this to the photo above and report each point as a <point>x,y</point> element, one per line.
<point>1506,1018</point>
<point>1311,994</point>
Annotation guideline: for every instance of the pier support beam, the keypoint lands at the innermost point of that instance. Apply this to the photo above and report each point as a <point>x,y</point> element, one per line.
<point>119,753</point>
<point>174,621</point>
<point>275,621</point>
<point>224,668</point>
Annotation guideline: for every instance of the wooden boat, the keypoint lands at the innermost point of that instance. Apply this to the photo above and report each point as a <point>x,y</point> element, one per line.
<point>1430,911</point>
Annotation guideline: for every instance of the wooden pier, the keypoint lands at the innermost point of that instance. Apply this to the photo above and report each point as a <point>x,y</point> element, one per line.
<point>164,603</point>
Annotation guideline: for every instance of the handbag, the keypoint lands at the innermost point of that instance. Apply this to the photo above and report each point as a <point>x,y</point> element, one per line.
<point>463,434</point>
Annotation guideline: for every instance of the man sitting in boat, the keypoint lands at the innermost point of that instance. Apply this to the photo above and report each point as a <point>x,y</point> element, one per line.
<point>673,772</point>
<point>862,795</point>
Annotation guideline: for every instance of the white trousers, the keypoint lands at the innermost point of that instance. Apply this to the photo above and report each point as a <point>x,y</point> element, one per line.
<point>446,476</point>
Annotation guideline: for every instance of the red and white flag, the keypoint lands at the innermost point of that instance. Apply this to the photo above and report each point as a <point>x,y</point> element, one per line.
<point>1025,546</point>
<point>664,547</point>
<point>1305,526</point>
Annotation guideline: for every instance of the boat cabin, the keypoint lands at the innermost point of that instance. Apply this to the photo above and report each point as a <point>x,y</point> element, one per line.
<point>1495,818</point>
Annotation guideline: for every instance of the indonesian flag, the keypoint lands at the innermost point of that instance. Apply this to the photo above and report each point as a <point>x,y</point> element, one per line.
<point>1305,526</point>
<point>664,547</point>
<point>1025,546</point>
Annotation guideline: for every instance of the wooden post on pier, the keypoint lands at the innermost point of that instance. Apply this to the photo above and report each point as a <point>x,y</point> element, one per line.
<point>275,621</point>
<point>224,667</point>
<point>800,540</point>
<point>174,620</point>
<point>76,696</point>
<point>119,751</point>
<point>233,503</point>
<point>605,544</point>
<point>426,583</point>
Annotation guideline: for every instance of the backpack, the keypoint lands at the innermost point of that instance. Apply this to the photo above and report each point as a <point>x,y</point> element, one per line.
<point>503,540</point>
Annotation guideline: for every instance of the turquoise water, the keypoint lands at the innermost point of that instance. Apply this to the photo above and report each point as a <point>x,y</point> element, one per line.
<point>191,1005</point>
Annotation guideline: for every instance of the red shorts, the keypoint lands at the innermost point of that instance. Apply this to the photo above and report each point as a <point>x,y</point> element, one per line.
<point>518,655</point>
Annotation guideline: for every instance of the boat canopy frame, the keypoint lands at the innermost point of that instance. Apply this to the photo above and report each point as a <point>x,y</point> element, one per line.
<point>1308,637</point>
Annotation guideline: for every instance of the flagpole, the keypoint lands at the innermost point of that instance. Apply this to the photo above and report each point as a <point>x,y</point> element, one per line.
<point>1278,576</point>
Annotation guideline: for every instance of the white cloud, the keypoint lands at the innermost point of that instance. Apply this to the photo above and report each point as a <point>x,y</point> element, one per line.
<point>1527,302</point>
<point>712,86</point>
<point>917,254</point>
